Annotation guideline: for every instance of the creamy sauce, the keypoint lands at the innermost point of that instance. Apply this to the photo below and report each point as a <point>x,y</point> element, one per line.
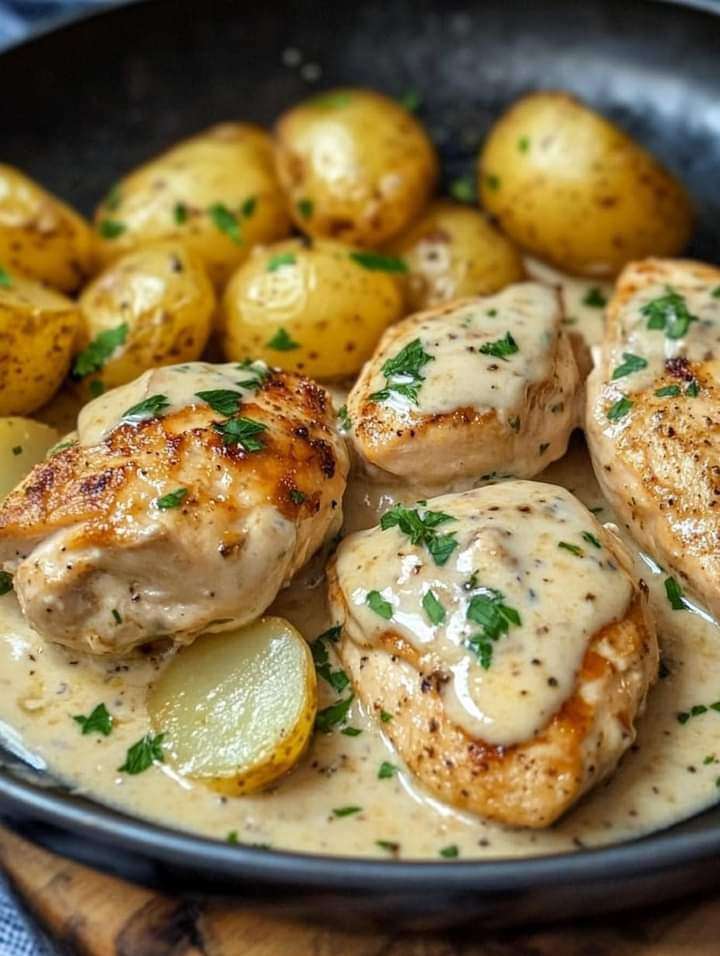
<point>668,775</point>
<point>515,539</point>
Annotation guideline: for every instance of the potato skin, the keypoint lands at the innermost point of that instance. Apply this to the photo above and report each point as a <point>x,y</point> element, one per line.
<point>42,237</point>
<point>453,251</point>
<point>185,193</point>
<point>163,295</point>
<point>38,327</point>
<point>334,309</point>
<point>356,166</point>
<point>575,190</point>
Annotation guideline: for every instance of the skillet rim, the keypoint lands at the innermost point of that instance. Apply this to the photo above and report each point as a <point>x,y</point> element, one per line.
<point>660,850</point>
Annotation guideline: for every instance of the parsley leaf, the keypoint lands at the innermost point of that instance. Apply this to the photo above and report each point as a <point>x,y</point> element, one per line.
<point>523,144</point>
<point>631,363</point>
<point>111,228</point>
<point>387,770</point>
<point>224,401</point>
<point>113,198</point>
<point>385,717</point>
<point>241,431</point>
<point>675,595</point>
<point>716,292</point>
<point>411,100</point>
<point>492,181</point>
<point>143,754</point>
<point>619,409</point>
<point>377,603</point>
<point>97,353</point>
<point>494,617</point>
<point>377,262</point>
<point>332,100</point>
<point>296,496</point>
<point>172,500</point>
<point>248,207</point>
<point>463,189</point>
<point>351,731</point>
<point>337,679</point>
<point>6,582</point>
<point>226,221</point>
<point>306,207</point>
<point>258,371</point>
<point>345,811</point>
<point>572,548</point>
<point>180,213</point>
<point>693,389</point>
<point>282,342</point>
<point>149,408</point>
<point>450,852</point>
<point>280,260</point>
<point>403,373</point>
<point>329,717</point>
<point>669,313</point>
<point>669,391</point>
<point>591,539</point>
<point>98,721</point>
<point>5,279</point>
<point>420,527</point>
<point>594,297</point>
<point>344,419</point>
<point>501,348</point>
<point>433,608</point>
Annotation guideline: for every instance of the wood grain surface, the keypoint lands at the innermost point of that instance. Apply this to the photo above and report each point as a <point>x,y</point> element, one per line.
<point>89,914</point>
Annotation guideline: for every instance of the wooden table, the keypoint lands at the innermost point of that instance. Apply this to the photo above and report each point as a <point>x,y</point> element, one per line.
<point>90,914</point>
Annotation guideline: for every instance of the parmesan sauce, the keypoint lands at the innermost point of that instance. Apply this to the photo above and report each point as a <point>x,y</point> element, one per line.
<point>669,774</point>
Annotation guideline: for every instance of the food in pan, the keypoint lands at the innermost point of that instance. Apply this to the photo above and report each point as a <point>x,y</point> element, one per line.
<point>308,552</point>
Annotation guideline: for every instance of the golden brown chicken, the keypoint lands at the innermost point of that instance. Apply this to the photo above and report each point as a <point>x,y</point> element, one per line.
<point>504,633</point>
<point>191,496</point>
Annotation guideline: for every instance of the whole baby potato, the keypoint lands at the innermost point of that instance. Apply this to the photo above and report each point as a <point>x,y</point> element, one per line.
<point>40,236</point>
<point>356,166</point>
<point>575,190</point>
<point>217,193</point>
<point>38,327</point>
<point>453,251</point>
<point>149,308</point>
<point>315,307</point>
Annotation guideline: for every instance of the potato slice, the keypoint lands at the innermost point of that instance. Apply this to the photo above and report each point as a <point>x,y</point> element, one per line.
<point>237,708</point>
<point>23,443</point>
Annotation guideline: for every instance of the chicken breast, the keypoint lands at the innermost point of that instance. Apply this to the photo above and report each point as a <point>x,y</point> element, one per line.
<point>191,496</point>
<point>653,417</point>
<point>505,635</point>
<point>468,392</point>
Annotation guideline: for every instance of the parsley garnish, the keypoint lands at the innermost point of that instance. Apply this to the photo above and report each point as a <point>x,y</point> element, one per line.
<point>619,409</point>
<point>337,679</point>
<point>675,595</point>
<point>669,391</point>
<point>351,731</point>
<point>411,100</point>
<point>116,616</point>
<point>258,371</point>
<point>693,389</point>
<point>97,388</point>
<point>17,450</point>
<point>594,298</point>
<point>328,718</point>
<point>280,260</point>
<point>716,292</point>
<point>5,280</point>
<point>390,845</point>
<point>282,342</point>
<point>297,497</point>
<point>6,582</point>
<point>111,228</point>
<point>377,603</point>
<point>248,207</point>
<point>241,431</point>
<point>591,539</point>
<point>387,770</point>
<point>450,852</point>
<point>697,711</point>
<point>232,838</point>
<point>572,548</point>
<point>523,144</point>
<point>226,221</point>
<point>377,262</point>
<point>143,754</point>
<point>306,207</point>
<point>494,617</point>
<point>172,500</point>
<point>385,717</point>
<point>420,528</point>
<point>433,608</point>
<point>332,100</point>
<point>631,363</point>
<point>345,811</point>
<point>501,348</point>
<point>332,634</point>
<point>492,181</point>
<point>97,353</point>
<point>403,373</point>
<point>180,213</point>
<point>344,418</point>
<point>669,313</point>
<point>113,198</point>
<point>149,408</point>
<point>98,721</point>
<point>463,189</point>
<point>224,401</point>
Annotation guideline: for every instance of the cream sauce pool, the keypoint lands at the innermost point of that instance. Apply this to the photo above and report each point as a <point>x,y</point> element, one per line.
<point>669,774</point>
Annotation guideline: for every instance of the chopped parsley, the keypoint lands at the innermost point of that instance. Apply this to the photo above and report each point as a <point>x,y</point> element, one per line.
<point>332,634</point>
<point>450,852</point>
<point>232,838</point>
<point>631,363</point>
<point>669,313</point>
<point>492,181</point>
<point>180,213</point>
<point>258,372</point>
<point>248,207</point>
<point>716,292</point>
<point>296,496</point>
<point>172,500</point>
<point>17,450</point>
<point>97,388</point>
<point>411,100</point>
<point>116,616</point>
<point>226,222</point>
<point>147,409</point>
<point>351,731</point>
<point>282,342</point>
<point>693,389</point>
<point>97,353</point>
<point>488,609</point>
<point>433,608</point>
<point>6,582</point>
<point>346,811</point>
<point>377,262</point>
<point>463,189</point>
<point>337,679</point>
<point>403,375</point>
<point>331,716</point>
<point>377,603</point>
<point>143,754</point>
<point>111,228</point>
<point>280,260</point>
<point>591,539</point>
<point>619,409</point>
<point>523,144</point>
<point>420,527</point>
<point>668,391</point>
<point>344,419</point>
<point>390,845</point>
<point>333,100</point>
<point>241,431</point>
<point>224,401</point>
<point>113,198</point>
<point>674,594</point>
<point>572,548</point>
<point>98,721</point>
<point>501,348</point>
<point>696,711</point>
<point>595,298</point>
<point>387,770</point>
<point>5,279</point>
<point>306,207</point>
<point>385,717</point>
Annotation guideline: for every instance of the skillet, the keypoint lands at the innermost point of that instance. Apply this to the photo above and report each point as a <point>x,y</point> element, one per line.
<point>87,100</point>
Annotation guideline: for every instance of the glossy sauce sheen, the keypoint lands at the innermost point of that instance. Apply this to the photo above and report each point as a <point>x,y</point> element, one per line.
<point>668,775</point>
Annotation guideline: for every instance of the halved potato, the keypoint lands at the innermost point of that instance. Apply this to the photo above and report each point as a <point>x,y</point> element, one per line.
<point>237,708</point>
<point>23,443</point>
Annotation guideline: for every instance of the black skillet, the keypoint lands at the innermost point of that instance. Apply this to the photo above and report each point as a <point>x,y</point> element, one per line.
<point>85,102</point>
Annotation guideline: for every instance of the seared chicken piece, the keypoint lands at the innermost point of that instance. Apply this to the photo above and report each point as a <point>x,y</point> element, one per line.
<point>467,392</point>
<point>653,417</point>
<point>192,496</point>
<point>503,631</point>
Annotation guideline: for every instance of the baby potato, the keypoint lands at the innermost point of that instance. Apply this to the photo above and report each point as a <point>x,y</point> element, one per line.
<point>40,236</point>
<point>217,193</point>
<point>356,166</point>
<point>23,443</point>
<point>572,188</point>
<point>453,251</point>
<point>318,308</point>
<point>237,709</point>
<point>149,308</point>
<point>38,327</point>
